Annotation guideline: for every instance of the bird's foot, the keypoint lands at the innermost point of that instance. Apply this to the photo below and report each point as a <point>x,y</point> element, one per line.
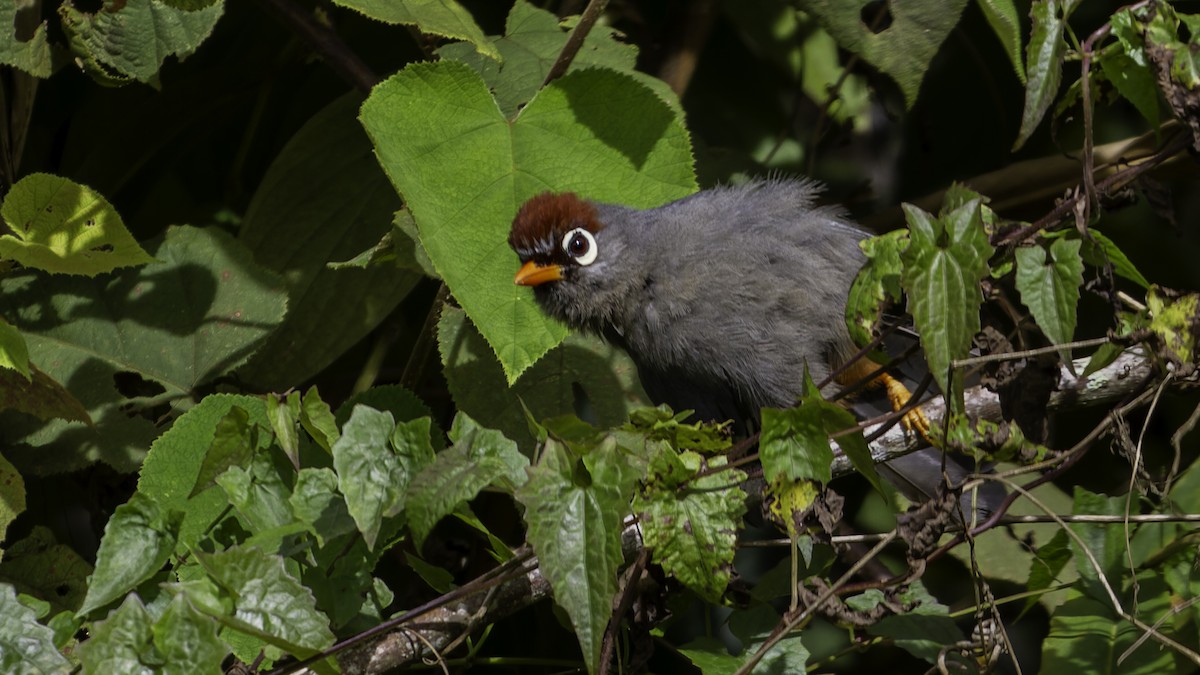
<point>914,420</point>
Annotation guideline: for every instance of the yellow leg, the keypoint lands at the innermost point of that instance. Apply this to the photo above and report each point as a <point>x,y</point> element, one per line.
<point>914,420</point>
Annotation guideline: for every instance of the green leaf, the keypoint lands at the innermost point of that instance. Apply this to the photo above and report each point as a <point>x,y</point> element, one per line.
<point>447,18</point>
<point>284,414</point>
<point>877,282</point>
<point>532,41</point>
<point>1133,81</point>
<point>188,641</point>
<point>479,457</point>
<point>259,493</point>
<point>317,419</point>
<point>1175,321</point>
<point>63,227</point>
<point>323,198</point>
<point>1047,566</point>
<point>24,44</point>
<point>12,495</point>
<point>26,646</point>
<point>14,354</point>
<point>122,643</point>
<point>583,376</point>
<point>574,508</point>
<point>166,329</point>
<point>176,462</point>
<point>902,50</point>
<point>596,132</point>
<point>268,602</point>
<point>1002,17</point>
<point>39,396</point>
<point>945,260</point>
<point>1099,250</point>
<point>233,444</point>
<point>318,504</point>
<point>38,565</point>
<point>1085,636</point>
<point>794,445</point>
<point>1049,282</point>
<point>131,39</point>
<point>795,442</point>
<point>138,540</point>
<point>373,477</point>
<point>691,526</point>
<point>1105,541</point>
<point>1044,62</point>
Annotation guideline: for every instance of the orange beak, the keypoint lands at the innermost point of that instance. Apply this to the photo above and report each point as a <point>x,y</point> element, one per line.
<point>533,274</point>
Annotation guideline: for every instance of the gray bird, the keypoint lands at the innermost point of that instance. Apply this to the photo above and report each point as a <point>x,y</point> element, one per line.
<point>721,298</point>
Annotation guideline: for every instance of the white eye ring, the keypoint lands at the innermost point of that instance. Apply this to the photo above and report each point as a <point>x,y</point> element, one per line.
<point>580,245</point>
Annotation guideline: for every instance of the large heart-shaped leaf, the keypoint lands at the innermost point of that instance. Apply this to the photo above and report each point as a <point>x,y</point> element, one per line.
<point>463,169</point>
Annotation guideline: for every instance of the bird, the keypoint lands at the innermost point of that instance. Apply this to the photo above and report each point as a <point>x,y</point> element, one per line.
<point>723,299</point>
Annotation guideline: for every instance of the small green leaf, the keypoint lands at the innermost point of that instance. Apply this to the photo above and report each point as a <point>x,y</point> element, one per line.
<point>904,48</point>
<point>26,646</point>
<point>284,416</point>
<point>268,602</point>
<point>138,540</point>
<point>447,18</point>
<point>122,643</point>
<point>877,282</point>
<point>1105,541</point>
<point>131,39</point>
<point>1002,16</point>
<point>24,45</point>
<point>1047,565</point>
<point>692,526</point>
<point>1175,320</point>
<point>1049,282</point>
<point>12,495</point>
<point>317,419</point>
<point>1044,62</point>
<point>794,445</point>
<point>63,227</point>
<point>479,457</point>
<point>945,260</point>
<point>188,641</point>
<point>368,471</point>
<point>259,493</point>
<point>533,38</point>
<point>233,444</point>
<point>1133,81</point>
<point>318,504</point>
<point>41,566</point>
<point>1099,250</point>
<point>14,354</point>
<point>574,507</point>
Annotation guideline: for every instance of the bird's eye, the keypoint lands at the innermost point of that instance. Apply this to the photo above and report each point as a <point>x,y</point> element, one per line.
<point>580,245</point>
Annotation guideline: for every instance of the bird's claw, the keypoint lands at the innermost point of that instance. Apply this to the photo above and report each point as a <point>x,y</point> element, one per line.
<point>914,420</point>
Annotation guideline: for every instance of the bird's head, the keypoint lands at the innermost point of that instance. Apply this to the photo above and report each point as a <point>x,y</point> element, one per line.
<point>567,257</point>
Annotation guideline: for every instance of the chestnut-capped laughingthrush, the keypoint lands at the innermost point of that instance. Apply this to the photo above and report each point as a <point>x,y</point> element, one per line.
<point>721,298</point>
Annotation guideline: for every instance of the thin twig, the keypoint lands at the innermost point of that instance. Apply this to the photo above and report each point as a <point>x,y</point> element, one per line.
<point>325,42</point>
<point>1015,356</point>
<point>588,19</point>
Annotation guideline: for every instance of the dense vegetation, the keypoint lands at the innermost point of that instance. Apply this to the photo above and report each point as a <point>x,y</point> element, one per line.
<point>270,400</point>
